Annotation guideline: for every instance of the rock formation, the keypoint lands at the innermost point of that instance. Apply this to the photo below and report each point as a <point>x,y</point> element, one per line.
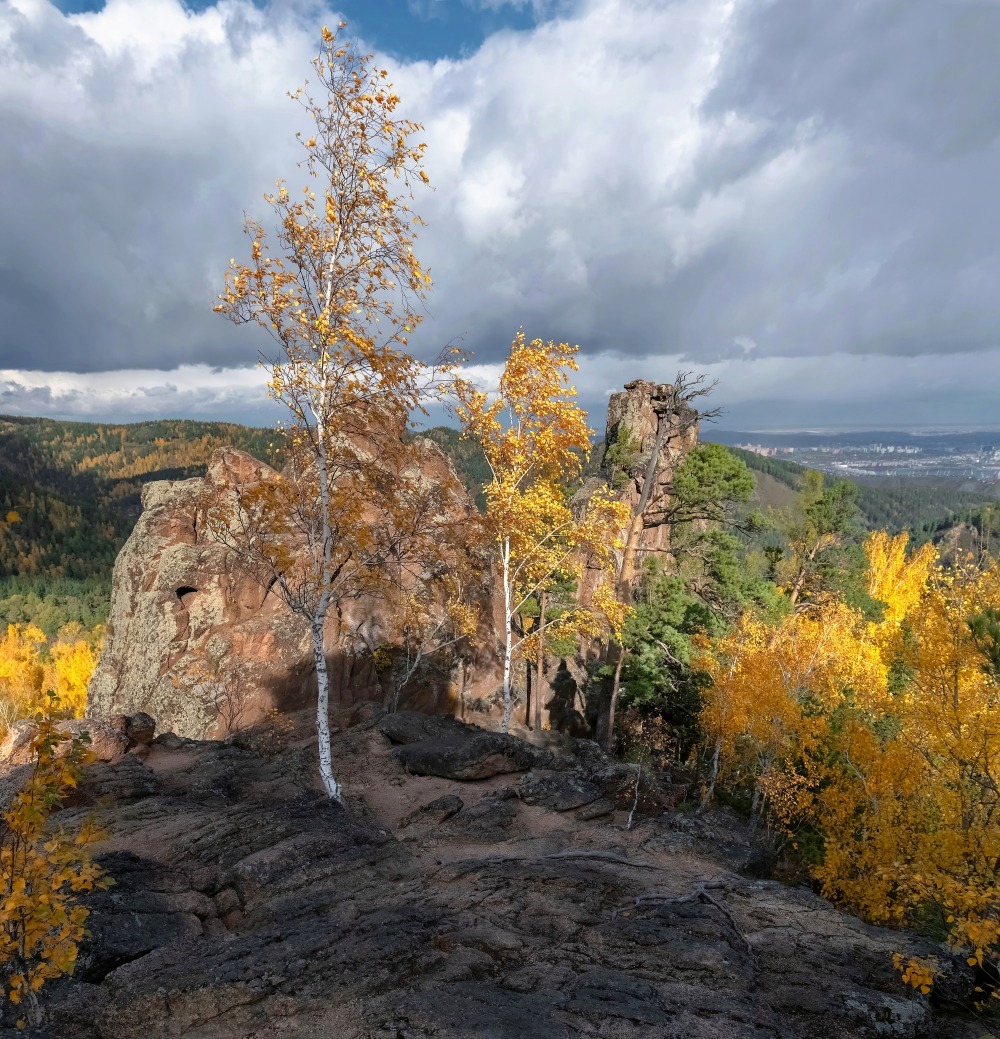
<point>108,738</point>
<point>184,616</point>
<point>636,416</point>
<point>642,418</point>
<point>246,903</point>
<point>179,601</point>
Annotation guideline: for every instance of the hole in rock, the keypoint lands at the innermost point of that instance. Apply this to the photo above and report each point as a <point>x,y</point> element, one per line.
<point>186,594</point>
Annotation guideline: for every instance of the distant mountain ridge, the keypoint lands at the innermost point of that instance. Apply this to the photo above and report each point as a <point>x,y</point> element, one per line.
<point>76,487</point>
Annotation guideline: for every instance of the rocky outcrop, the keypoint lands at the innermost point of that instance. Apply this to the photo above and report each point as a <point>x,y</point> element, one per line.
<point>643,418</point>
<point>247,904</point>
<point>107,738</point>
<point>635,415</point>
<point>180,602</point>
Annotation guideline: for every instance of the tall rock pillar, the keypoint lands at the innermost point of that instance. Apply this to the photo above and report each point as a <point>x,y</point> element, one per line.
<point>649,434</point>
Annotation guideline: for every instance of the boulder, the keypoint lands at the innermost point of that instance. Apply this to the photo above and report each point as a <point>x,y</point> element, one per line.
<point>140,729</point>
<point>111,737</point>
<point>479,756</point>
<point>108,736</point>
<point>558,791</point>
<point>412,727</point>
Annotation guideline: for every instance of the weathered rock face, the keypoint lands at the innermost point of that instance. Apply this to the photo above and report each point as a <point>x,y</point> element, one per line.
<point>179,598</point>
<point>634,416</point>
<point>246,904</point>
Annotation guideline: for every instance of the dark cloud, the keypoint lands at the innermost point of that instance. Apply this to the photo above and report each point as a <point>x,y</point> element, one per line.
<point>896,243</point>
<point>692,184</point>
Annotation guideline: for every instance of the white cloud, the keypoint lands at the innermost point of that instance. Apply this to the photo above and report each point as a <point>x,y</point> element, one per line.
<point>699,180</point>
<point>489,200</point>
<point>197,391</point>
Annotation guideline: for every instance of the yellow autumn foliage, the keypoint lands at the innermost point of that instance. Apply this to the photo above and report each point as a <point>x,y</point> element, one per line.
<point>22,673</point>
<point>30,667</point>
<point>881,737</point>
<point>535,438</point>
<point>44,872</point>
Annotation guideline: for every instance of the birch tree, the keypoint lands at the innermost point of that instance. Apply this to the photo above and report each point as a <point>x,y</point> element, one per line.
<point>535,439</point>
<point>338,291</point>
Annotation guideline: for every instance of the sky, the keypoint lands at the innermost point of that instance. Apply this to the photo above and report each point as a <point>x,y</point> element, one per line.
<point>796,198</point>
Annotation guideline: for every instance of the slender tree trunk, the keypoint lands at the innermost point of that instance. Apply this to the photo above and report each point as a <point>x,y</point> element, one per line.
<point>461,686</point>
<point>627,577</point>
<point>508,700</point>
<point>33,1013</point>
<point>800,580</point>
<point>330,785</point>
<point>616,688</point>
<point>706,797</point>
<point>540,660</point>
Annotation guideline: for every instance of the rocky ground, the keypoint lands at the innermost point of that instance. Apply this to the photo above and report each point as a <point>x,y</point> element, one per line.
<point>471,886</point>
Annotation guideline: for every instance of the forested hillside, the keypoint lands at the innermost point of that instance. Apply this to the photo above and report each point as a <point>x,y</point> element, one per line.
<point>70,494</point>
<point>74,488</point>
<point>926,507</point>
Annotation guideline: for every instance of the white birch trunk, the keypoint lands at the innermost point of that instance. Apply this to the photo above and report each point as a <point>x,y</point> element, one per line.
<point>508,700</point>
<point>330,784</point>
<point>709,791</point>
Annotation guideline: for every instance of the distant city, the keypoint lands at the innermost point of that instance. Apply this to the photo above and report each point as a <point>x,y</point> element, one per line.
<point>967,455</point>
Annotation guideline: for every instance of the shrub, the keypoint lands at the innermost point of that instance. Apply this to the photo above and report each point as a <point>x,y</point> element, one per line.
<point>44,871</point>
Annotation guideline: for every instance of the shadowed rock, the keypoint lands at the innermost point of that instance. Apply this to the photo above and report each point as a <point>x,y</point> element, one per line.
<point>479,756</point>
<point>558,791</point>
<point>247,904</point>
<point>412,727</point>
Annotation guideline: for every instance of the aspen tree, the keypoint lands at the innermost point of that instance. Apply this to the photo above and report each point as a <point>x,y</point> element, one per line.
<point>880,736</point>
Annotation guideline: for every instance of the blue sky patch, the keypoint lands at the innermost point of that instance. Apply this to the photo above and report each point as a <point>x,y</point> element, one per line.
<point>405,29</point>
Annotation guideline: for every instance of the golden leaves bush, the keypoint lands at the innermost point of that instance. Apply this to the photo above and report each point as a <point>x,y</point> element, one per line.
<point>880,736</point>
<point>43,871</point>
<point>30,666</point>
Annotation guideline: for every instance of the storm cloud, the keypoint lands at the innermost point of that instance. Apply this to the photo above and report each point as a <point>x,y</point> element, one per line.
<point>795,197</point>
